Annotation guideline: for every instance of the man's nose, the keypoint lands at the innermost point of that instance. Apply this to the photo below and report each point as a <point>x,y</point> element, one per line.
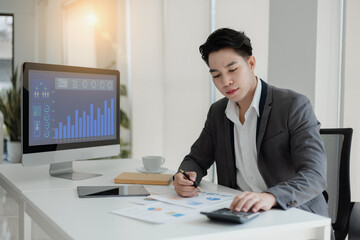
<point>227,81</point>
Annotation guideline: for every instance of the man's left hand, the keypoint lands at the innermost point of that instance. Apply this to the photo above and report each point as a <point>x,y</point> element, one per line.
<point>255,202</point>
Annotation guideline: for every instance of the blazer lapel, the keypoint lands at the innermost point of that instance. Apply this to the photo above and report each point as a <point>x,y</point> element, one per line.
<point>265,108</point>
<point>229,147</point>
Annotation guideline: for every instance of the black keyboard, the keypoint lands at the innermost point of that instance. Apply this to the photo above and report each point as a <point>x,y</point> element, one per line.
<point>225,214</point>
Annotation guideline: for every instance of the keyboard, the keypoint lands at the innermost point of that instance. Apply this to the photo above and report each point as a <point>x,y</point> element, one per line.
<point>225,214</point>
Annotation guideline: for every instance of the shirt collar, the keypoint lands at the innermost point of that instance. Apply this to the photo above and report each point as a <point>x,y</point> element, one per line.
<point>232,109</point>
<point>256,98</point>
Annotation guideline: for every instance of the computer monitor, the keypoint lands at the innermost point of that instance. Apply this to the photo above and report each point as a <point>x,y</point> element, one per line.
<point>69,113</point>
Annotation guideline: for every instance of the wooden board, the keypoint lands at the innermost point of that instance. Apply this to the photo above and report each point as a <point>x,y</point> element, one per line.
<point>144,178</point>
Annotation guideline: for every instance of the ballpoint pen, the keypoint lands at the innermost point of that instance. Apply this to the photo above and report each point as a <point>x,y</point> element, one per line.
<point>195,184</point>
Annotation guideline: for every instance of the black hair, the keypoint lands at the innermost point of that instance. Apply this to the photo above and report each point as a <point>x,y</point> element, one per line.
<point>226,38</point>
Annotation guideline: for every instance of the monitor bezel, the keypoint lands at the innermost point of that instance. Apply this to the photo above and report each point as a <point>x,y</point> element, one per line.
<point>28,66</point>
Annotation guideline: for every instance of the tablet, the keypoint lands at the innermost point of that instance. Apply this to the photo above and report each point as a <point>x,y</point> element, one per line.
<point>111,191</point>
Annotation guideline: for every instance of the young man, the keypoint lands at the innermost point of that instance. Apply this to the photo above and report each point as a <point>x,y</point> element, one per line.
<point>264,140</point>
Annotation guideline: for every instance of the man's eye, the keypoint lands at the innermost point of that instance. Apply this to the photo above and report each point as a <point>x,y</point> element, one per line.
<point>216,76</point>
<point>233,70</point>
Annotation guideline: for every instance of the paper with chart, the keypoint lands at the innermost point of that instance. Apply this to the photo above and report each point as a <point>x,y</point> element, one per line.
<point>203,199</point>
<point>153,190</point>
<point>165,205</point>
<point>156,212</point>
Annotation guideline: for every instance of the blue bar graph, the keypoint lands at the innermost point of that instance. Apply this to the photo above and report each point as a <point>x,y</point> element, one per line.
<point>98,122</point>
<point>80,127</point>
<point>92,122</point>
<point>84,124</point>
<point>105,117</point>
<point>76,123</point>
<point>68,127</point>
<point>91,119</point>
<point>112,116</point>
<point>108,120</point>
<point>87,129</point>
<point>102,125</point>
<point>60,130</point>
<point>95,128</point>
<point>64,127</point>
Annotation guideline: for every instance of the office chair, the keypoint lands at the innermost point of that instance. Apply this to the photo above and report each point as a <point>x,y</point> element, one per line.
<point>337,143</point>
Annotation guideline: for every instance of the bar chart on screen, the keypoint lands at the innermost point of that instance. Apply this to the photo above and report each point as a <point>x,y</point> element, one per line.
<point>87,123</point>
<point>70,109</point>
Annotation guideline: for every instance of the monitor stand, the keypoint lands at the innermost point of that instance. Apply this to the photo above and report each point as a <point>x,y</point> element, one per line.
<point>66,171</point>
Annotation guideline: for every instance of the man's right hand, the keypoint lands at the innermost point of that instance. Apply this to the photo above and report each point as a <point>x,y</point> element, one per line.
<point>184,187</point>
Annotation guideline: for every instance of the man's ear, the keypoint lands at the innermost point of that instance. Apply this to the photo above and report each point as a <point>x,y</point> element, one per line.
<point>252,62</point>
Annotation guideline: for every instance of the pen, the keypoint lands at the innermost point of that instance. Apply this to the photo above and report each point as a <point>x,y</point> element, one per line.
<point>188,178</point>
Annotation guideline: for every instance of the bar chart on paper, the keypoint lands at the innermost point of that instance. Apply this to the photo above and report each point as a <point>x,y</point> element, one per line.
<point>87,123</point>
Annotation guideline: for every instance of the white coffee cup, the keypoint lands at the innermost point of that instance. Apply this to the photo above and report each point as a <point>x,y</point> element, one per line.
<point>152,163</point>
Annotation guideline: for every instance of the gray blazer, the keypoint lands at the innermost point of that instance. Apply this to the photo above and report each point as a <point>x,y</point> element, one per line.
<point>291,156</point>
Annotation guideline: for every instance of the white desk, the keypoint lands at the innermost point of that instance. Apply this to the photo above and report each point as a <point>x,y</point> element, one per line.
<point>53,204</point>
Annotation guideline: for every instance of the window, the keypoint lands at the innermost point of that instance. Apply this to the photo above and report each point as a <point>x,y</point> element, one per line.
<point>6,48</point>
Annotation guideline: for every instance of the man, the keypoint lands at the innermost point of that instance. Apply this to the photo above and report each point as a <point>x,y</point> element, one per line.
<point>264,140</point>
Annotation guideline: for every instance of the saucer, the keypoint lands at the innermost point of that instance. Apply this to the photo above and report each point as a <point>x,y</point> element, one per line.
<point>142,169</point>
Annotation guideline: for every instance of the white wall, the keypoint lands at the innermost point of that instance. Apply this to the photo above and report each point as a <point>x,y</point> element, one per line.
<point>24,12</point>
<point>76,23</point>
<point>252,17</point>
<point>49,32</point>
<point>123,60</point>
<point>327,98</point>
<point>351,88</point>
<point>186,78</point>
<point>292,45</point>
<point>147,78</point>
<point>38,30</point>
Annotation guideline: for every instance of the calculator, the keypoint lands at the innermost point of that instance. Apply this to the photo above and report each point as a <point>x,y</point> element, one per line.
<point>225,214</point>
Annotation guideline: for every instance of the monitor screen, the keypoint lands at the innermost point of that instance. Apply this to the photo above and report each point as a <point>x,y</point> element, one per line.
<point>69,113</point>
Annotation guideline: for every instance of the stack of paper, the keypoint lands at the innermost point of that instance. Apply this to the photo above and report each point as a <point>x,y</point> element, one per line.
<point>164,205</point>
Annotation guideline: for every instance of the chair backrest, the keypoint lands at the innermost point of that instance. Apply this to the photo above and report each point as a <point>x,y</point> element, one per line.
<point>337,142</point>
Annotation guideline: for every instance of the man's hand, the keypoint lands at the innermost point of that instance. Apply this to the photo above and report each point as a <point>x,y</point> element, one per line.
<point>247,201</point>
<point>184,187</point>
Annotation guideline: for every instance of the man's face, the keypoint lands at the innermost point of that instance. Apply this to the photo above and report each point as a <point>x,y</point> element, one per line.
<point>233,75</point>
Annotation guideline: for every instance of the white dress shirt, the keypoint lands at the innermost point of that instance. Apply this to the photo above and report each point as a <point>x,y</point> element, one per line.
<point>248,177</point>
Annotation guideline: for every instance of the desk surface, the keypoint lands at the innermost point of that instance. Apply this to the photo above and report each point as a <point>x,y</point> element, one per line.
<point>54,205</point>
<point>25,179</point>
